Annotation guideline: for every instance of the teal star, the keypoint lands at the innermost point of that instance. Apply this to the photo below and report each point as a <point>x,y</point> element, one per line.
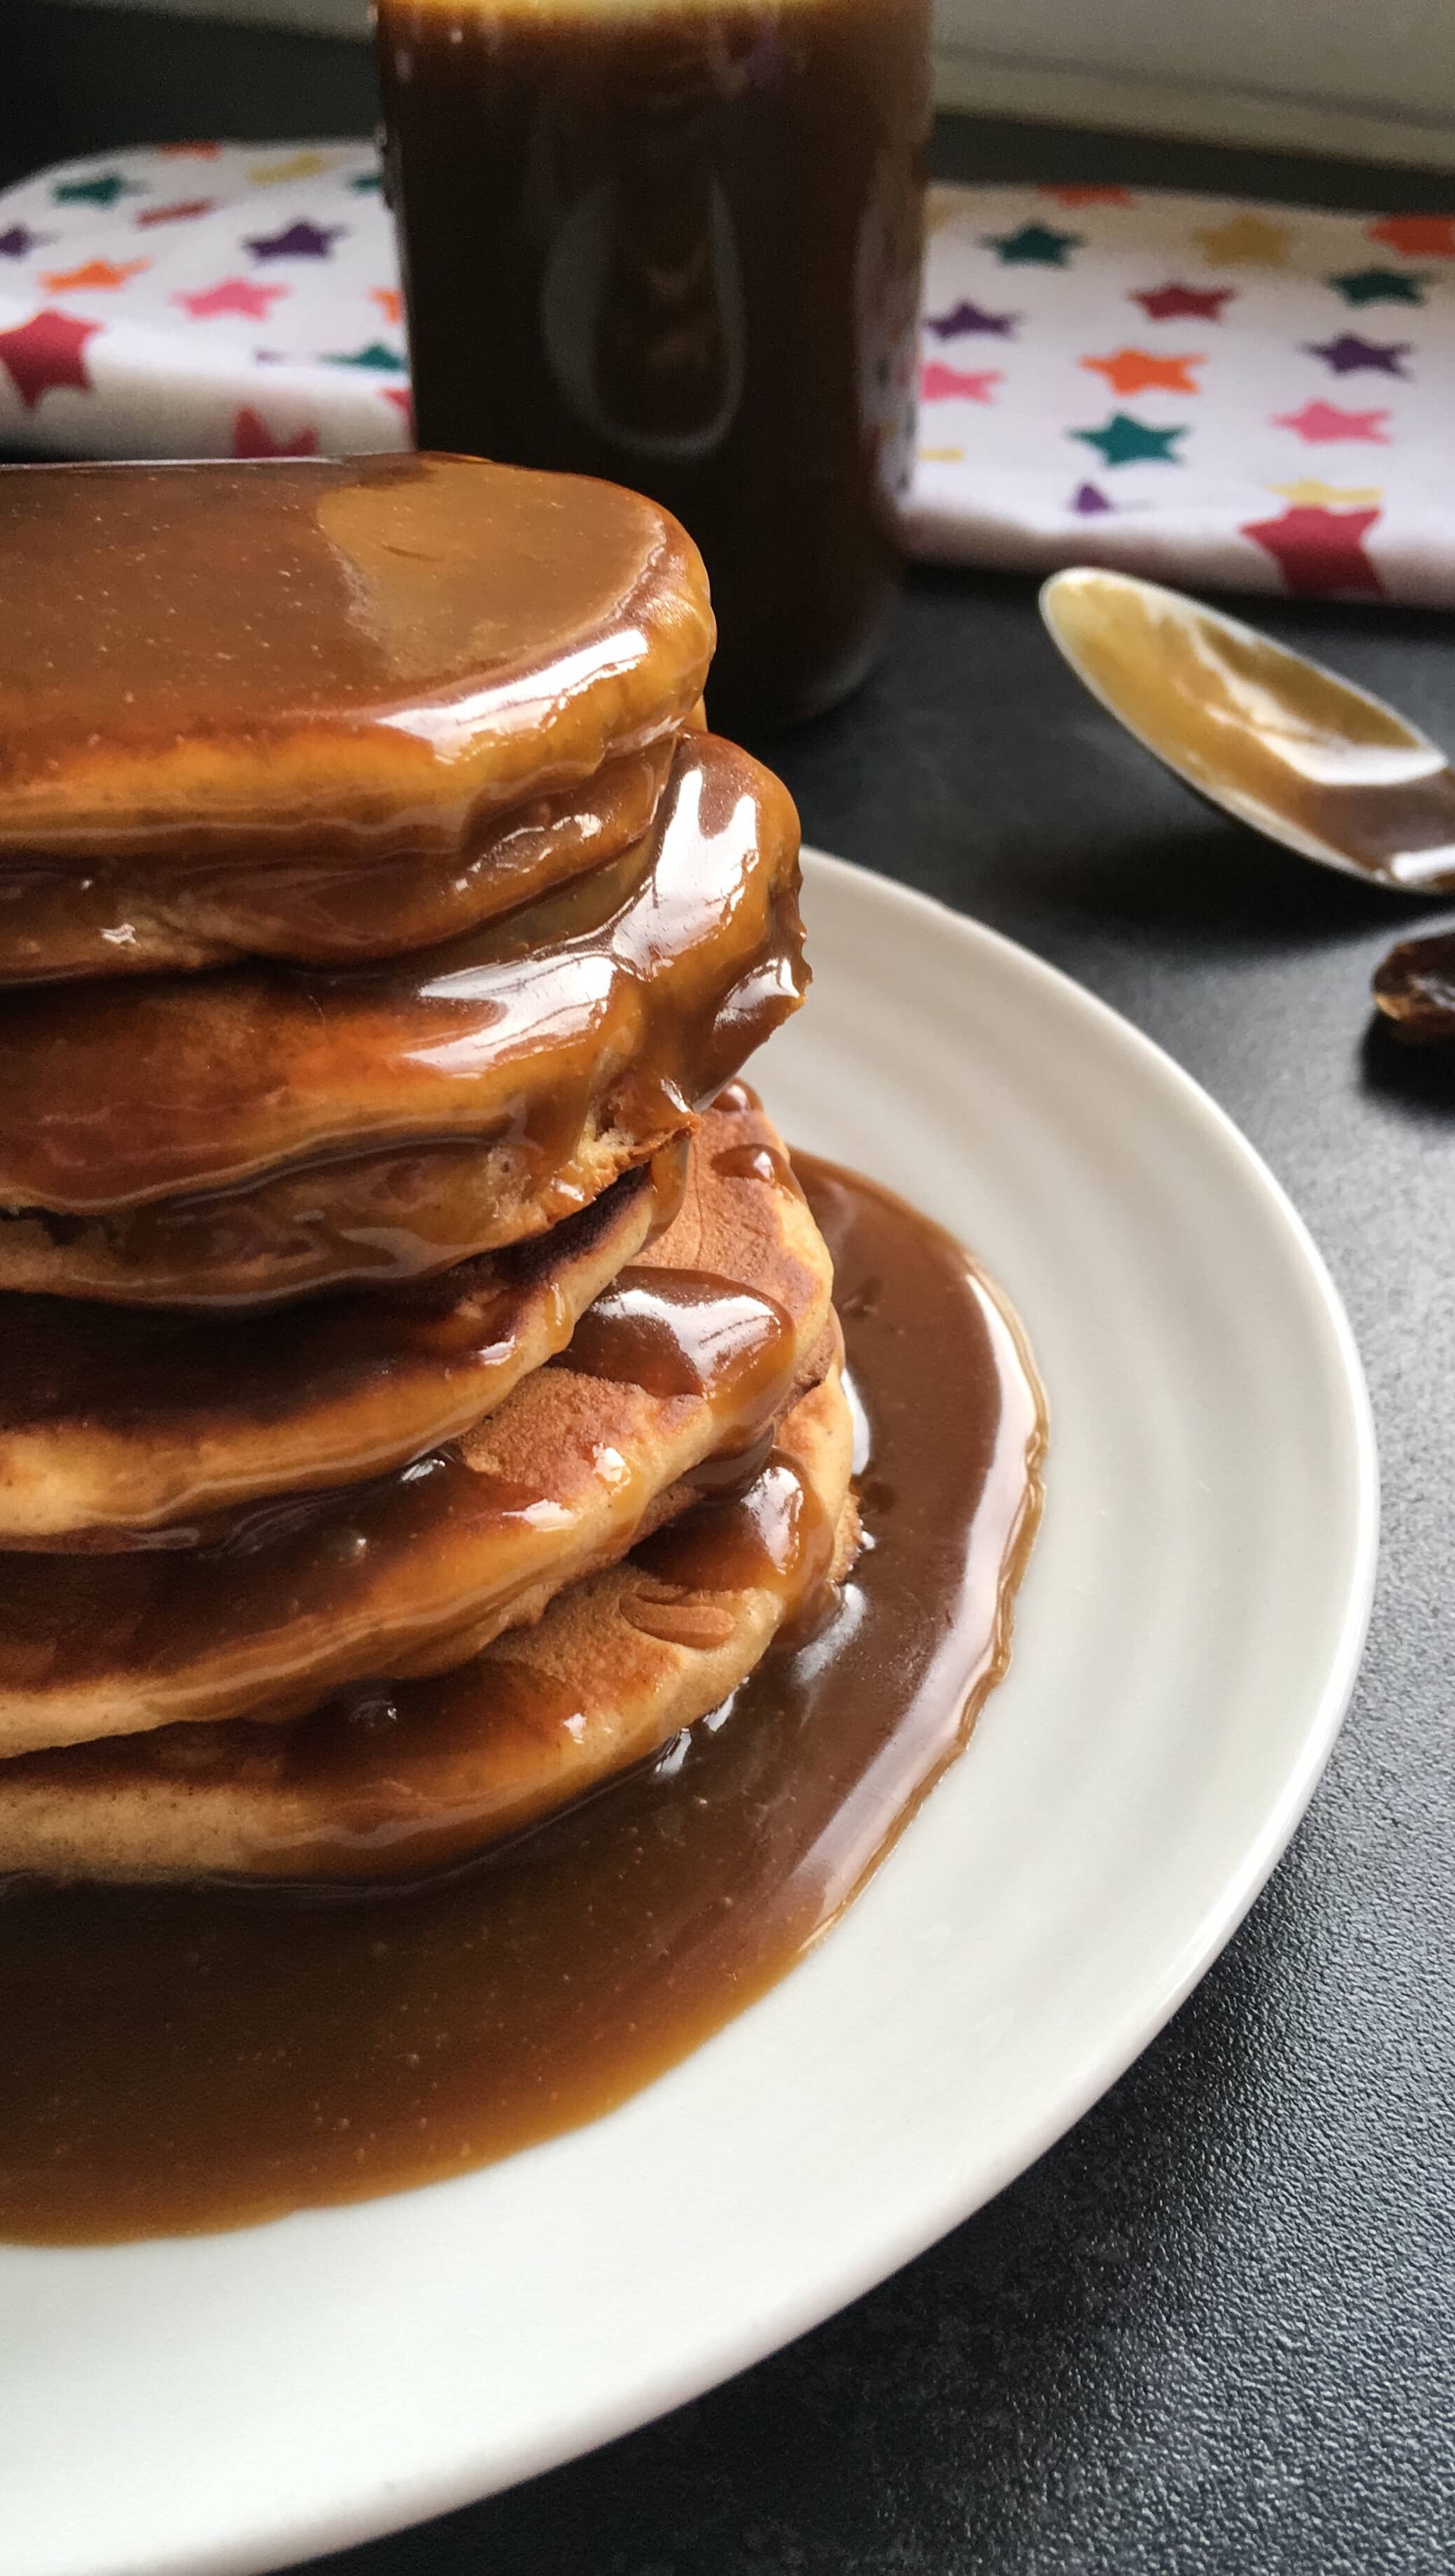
<point>103,190</point>
<point>1381,286</point>
<point>1124,441</point>
<point>367,182</point>
<point>1034,246</point>
<point>374,355</point>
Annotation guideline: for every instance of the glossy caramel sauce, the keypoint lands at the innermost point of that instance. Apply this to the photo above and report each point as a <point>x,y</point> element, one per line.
<point>621,987</point>
<point>1414,987</point>
<point>1288,746</point>
<point>140,917</point>
<point>360,659</point>
<point>187,2061</point>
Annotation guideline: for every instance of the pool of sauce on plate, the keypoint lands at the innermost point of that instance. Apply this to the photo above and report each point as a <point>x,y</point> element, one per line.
<point>187,2060</point>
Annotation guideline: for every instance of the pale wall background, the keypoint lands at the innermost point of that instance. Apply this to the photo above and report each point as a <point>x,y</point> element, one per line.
<point>1319,75</point>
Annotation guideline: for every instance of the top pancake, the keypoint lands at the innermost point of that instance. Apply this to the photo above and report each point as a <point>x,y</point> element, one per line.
<point>361,659</point>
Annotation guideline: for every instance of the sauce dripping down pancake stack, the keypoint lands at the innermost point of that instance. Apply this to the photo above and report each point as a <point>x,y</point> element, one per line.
<point>419,1389</point>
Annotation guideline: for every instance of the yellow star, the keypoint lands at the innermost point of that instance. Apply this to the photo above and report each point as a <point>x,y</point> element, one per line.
<point>1245,241</point>
<point>942,455</point>
<point>1326,496</point>
<point>302,165</point>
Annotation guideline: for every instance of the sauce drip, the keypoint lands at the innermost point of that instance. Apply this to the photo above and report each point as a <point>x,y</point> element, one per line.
<point>186,2061</point>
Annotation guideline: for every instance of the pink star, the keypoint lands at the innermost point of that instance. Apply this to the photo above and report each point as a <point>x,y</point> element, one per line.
<point>1319,551</point>
<point>1324,424</point>
<point>233,295</point>
<point>45,352</point>
<point>947,384</point>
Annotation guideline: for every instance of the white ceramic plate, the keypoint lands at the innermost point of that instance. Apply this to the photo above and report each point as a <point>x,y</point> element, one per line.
<point>1187,1638</point>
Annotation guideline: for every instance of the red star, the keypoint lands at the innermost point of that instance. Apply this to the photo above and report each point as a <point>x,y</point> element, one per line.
<point>251,436</point>
<point>1418,236</point>
<point>1318,551</point>
<point>233,295</point>
<point>946,384</point>
<point>402,399</point>
<point>1183,303</point>
<point>1074,194</point>
<point>1323,424</point>
<point>187,151</point>
<point>176,214</point>
<point>46,352</point>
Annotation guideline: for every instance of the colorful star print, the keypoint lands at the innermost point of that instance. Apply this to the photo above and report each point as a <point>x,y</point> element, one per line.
<point>1183,303</point>
<point>1319,551</point>
<point>298,241</point>
<point>105,273</point>
<point>964,317</point>
<point>1034,246</point>
<point>1417,236</point>
<point>1323,424</point>
<point>1245,241</point>
<point>231,295</point>
<point>18,241</point>
<point>1380,286</point>
<point>299,165</point>
<point>1351,356</point>
<point>1124,441</point>
<point>46,353</point>
<point>946,384</point>
<point>184,208</point>
<point>251,436</point>
<point>1088,502</point>
<point>374,354</point>
<point>1313,495</point>
<point>1072,194</point>
<point>103,190</point>
<point>1136,371</point>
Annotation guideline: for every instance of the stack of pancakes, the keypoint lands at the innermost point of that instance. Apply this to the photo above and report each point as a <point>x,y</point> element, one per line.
<point>419,1388</point>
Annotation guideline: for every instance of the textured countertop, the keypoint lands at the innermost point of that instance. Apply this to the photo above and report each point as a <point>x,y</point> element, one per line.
<point>1213,2332</point>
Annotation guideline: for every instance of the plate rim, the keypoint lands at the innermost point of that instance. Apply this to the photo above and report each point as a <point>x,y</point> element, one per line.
<point>397,2503</point>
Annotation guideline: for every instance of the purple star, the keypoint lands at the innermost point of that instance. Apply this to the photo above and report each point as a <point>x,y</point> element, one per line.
<point>970,317</point>
<point>18,242</point>
<point>1087,502</point>
<point>1349,354</point>
<point>300,241</point>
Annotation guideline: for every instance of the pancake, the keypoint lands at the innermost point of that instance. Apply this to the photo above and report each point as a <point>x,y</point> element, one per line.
<point>692,1354</point>
<point>262,1132</point>
<point>363,659</point>
<point>118,1428</point>
<point>389,1786</point>
<point>133,917</point>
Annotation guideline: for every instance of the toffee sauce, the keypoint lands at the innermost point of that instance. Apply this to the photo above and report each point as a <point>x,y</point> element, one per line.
<point>184,2061</point>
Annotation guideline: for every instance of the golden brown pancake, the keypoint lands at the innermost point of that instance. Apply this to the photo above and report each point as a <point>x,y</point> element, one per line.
<point>59,921</point>
<point>257,1133</point>
<point>363,659</point>
<point>118,1427</point>
<point>382,1786</point>
<point>693,1353</point>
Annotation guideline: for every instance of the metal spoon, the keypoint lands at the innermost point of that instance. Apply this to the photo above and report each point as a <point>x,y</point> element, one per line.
<point>1302,755</point>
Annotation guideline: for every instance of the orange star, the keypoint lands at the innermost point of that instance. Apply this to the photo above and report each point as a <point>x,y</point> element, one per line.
<point>388,300</point>
<point>1136,371</point>
<point>1073,194</point>
<point>96,272</point>
<point>1418,236</point>
<point>187,151</point>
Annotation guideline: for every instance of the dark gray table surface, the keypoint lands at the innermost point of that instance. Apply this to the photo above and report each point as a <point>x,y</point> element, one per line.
<point>1212,2332</point>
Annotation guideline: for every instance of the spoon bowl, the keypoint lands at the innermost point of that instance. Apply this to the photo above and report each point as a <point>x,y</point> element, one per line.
<point>1286,746</point>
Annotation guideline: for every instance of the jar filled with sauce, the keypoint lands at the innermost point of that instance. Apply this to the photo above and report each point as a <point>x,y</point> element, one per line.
<point>676,243</point>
